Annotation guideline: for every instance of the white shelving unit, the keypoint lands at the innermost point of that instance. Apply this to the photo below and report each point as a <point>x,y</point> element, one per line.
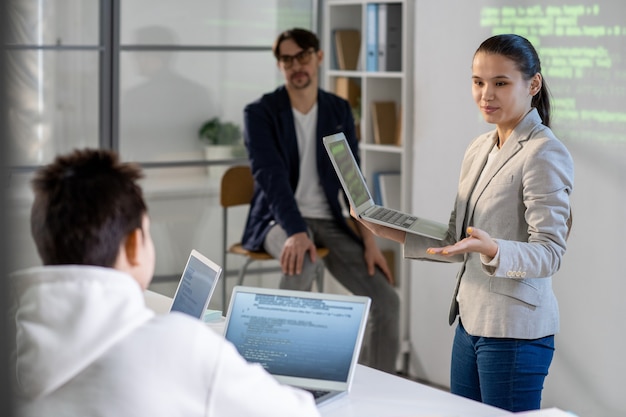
<point>396,86</point>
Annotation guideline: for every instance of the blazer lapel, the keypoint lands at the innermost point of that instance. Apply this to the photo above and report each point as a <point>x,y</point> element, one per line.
<point>468,183</point>
<point>511,147</point>
<point>288,141</point>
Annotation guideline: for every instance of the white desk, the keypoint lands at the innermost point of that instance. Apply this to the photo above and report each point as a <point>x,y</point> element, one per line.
<point>156,302</point>
<point>378,394</point>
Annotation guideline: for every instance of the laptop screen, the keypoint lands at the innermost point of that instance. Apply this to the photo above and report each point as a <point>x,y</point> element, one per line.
<point>196,285</point>
<point>310,336</point>
<point>342,158</point>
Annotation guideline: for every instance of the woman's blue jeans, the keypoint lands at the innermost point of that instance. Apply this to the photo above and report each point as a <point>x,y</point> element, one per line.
<point>505,373</point>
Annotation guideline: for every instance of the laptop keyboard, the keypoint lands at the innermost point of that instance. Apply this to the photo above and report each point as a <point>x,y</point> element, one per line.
<point>393,217</point>
<point>318,393</point>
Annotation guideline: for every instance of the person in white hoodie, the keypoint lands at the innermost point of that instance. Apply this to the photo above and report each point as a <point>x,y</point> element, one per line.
<point>86,344</point>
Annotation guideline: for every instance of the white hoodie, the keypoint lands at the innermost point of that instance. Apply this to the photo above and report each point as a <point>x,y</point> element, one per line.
<point>86,345</point>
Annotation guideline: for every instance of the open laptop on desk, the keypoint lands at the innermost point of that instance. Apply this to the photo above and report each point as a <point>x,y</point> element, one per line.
<point>361,199</point>
<point>304,339</point>
<point>196,285</point>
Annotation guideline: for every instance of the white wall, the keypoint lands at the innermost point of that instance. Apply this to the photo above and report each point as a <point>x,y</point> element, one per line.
<point>587,372</point>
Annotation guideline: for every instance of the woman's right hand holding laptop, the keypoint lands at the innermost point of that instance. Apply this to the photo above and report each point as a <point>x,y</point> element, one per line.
<point>380,230</point>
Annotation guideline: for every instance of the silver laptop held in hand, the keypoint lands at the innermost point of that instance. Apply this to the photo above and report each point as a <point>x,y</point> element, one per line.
<point>361,199</point>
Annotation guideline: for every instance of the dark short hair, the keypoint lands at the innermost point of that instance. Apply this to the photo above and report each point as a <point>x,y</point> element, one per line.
<point>522,52</point>
<point>305,39</point>
<point>86,203</point>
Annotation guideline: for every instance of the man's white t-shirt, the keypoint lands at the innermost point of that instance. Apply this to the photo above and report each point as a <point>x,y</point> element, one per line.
<point>309,193</point>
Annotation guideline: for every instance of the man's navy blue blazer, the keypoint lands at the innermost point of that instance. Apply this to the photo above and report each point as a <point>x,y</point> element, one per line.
<point>270,138</point>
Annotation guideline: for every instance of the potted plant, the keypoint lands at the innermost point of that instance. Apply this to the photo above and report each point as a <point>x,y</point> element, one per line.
<point>223,140</point>
<point>216,132</point>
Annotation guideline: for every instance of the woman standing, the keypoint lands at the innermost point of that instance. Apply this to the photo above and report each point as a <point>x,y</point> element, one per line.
<point>508,228</point>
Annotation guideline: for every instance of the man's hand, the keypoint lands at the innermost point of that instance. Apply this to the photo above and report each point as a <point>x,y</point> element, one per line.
<point>374,258</point>
<point>372,255</point>
<point>295,249</point>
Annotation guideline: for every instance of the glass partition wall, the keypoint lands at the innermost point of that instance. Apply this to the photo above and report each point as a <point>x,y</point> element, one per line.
<point>142,77</point>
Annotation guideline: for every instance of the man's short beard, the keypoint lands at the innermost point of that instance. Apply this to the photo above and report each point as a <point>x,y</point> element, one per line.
<point>302,86</point>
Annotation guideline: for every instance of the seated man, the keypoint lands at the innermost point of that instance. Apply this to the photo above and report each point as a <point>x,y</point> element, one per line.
<point>296,202</point>
<point>85,342</point>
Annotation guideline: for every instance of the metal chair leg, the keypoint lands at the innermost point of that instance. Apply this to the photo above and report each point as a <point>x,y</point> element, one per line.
<point>320,277</point>
<point>243,270</point>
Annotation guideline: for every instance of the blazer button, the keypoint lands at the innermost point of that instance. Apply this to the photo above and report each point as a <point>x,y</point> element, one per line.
<point>518,274</point>
<point>523,274</point>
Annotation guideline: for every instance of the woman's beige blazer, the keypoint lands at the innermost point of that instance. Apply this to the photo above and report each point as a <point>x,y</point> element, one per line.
<point>522,201</point>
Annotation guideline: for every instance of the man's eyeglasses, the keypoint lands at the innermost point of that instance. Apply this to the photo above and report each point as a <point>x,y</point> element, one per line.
<point>303,58</point>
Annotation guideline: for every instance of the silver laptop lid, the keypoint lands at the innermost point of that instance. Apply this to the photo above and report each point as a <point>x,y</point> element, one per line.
<point>305,339</point>
<point>360,198</point>
<point>196,285</point>
<point>350,175</point>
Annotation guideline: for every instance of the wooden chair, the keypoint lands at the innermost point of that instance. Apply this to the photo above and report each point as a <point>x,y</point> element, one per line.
<point>236,189</point>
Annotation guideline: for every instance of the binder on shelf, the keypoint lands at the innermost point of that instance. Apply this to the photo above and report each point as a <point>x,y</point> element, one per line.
<point>384,122</point>
<point>390,190</point>
<point>347,46</point>
<point>349,90</point>
<point>371,61</point>
<point>386,188</point>
<point>376,194</point>
<point>399,127</point>
<point>382,37</point>
<point>390,37</point>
